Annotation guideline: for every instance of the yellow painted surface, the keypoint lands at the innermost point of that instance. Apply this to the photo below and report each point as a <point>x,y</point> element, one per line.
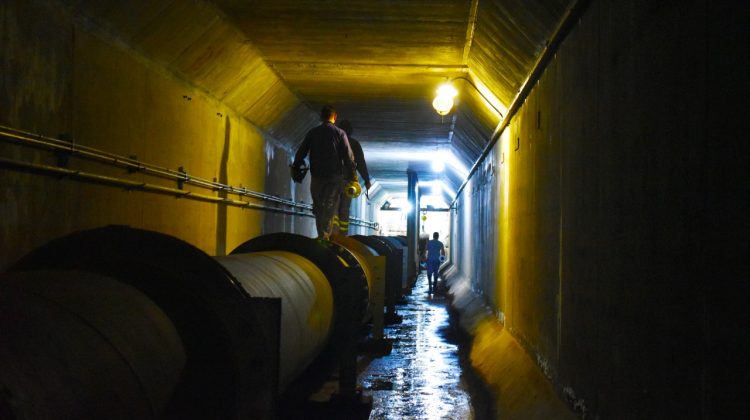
<point>518,387</point>
<point>504,247</point>
<point>360,252</point>
<point>321,313</point>
<point>124,106</point>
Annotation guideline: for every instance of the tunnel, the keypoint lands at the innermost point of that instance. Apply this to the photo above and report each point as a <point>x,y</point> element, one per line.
<point>581,161</point>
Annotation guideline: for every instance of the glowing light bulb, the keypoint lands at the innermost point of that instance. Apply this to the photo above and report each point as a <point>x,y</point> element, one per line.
<point>442,105</point>
<point>443,102</point>
<point>447,90</point>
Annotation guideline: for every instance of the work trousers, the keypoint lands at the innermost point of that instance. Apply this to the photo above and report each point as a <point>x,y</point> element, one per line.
<point>341,219</point>
<point>432,273</point>
<point>325,195</point>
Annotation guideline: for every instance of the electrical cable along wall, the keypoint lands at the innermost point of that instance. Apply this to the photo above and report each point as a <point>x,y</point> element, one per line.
<point>124,323</point>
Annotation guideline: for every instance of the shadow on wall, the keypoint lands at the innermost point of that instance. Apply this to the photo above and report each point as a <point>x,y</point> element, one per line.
<point>221,211</point>
<point>278,159</point>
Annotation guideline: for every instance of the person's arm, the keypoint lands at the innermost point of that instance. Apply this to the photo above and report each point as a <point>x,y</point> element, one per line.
<point>359,158</point>
<point>348,157</point>
<point>302,152</point>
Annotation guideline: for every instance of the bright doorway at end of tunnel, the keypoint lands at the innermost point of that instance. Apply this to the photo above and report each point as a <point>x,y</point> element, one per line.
<point>436,221</point>
<point>391,216</point>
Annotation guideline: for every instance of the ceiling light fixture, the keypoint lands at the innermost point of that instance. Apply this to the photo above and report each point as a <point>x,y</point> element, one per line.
<point>443,102</point>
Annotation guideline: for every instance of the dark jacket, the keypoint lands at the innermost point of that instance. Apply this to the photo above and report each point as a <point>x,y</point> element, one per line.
<point>330,152</point>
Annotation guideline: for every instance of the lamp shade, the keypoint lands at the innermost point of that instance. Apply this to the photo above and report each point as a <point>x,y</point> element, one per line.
<point>443,102</point>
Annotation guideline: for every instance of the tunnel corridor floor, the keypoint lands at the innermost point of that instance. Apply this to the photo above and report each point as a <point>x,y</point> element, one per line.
<point>426,375</point>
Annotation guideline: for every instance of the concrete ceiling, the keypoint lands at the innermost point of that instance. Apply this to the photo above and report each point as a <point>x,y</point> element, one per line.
<point>379,62</point>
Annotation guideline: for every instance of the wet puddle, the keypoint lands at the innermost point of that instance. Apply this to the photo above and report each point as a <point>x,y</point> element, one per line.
<point>422,377</point>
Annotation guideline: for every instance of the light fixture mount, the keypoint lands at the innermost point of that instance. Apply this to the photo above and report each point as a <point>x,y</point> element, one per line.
<point>443,102</point>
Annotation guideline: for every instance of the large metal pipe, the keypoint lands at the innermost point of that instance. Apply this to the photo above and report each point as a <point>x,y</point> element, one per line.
<point>394,263</point>
<point>350,298</point>
<point>238,355</point>
<point>306,303</point>
<point>70,338</point>
<point>227,369</point>
<point>361,252</point>
<point>400,243</point>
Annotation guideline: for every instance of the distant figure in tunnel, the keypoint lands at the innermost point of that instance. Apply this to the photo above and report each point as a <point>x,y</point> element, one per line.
<point>435,250</point>
<point>331,163</point>
<point>341,219</point>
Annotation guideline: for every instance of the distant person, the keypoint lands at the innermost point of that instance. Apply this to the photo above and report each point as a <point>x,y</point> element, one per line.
<point>331,163</point>
<point>435,250</point>
<point>341,220</point>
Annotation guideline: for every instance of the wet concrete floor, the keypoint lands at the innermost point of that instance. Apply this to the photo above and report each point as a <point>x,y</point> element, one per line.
<point>422,378</point>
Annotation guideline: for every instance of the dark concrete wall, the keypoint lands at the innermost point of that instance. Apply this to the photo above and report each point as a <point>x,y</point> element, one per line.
<point>602,217</point>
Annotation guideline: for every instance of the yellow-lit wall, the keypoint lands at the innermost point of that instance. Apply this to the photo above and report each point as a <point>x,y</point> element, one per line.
<point>59,76</point>
<point>599,237</point>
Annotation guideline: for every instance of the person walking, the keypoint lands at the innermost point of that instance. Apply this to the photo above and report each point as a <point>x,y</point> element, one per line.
<point>331,163</point>
<point>435,255</point>
<point>341,219</point>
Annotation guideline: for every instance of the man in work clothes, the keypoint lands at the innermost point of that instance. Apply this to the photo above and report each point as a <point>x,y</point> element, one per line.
<point>435,250</point>
<point>341,220</point>
<point>331,162</point>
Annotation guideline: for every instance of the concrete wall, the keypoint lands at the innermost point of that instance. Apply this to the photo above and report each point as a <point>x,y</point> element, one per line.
<point>279,158</point>
<point>60,74</point>
<point>599,218</point>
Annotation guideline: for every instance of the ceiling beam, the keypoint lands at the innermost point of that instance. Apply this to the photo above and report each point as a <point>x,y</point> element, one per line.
<point>471,24</point>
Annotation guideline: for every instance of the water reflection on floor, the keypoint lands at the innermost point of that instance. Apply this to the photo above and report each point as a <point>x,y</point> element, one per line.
<point>421,378</point>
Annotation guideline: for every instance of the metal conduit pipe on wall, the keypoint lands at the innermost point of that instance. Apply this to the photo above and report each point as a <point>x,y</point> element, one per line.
<point>228,314</point>
<point>70,148</point>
